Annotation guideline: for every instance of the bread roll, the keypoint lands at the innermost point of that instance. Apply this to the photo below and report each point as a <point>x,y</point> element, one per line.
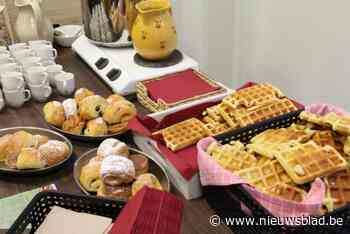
<point>54,113</point>
<point>148,180</point>
<point>30,158</point>
<point>117,170</point>
<point>112,146</point>
<point>54,151</point>
<point>90,176</point>
<point>96,127</point>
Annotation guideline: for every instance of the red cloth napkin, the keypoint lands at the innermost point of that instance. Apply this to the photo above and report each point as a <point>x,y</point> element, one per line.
<point>184,85</point>
<point>150,211</point>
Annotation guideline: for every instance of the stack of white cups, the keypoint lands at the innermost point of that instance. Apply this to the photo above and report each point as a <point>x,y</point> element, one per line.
<point>32,64</point>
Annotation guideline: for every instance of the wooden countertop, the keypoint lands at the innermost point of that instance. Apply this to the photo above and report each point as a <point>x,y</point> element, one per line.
<point>197,212</point>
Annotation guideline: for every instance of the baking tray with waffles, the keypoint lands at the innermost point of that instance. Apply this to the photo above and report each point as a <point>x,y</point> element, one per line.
<point>297,158</point>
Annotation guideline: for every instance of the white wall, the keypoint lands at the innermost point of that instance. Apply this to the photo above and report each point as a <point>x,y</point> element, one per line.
<point>301,46</point>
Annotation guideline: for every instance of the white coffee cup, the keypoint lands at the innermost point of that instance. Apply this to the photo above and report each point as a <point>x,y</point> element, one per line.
<point>2,101</point>
<point>4,51</point>
<point>40,92</point>
<point>45,51</point>
<point>18,46</point>
<point>65,83</point>
<point>30,62</point>
<point>39,42</point>
<point>6,58</point>
<point>52,71</point>
<point>12,80</point>
<point>36,75</point>
<point>16,98</point>
<point>9,67</point>
<point>25,53</point>
<point>47,62</point>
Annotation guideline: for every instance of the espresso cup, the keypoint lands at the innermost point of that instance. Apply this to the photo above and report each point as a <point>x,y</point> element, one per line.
<point>45,52</point>
<point>52,71</point>
<point>12,80</point>
<point>65,83</point>
<point>18,46</point>
<point>6,58</point>
<point>25,53</point>
<point>36,75</point>
<point>40,92</point>
<point>39,42</point>
<point>16,98</point>
<point>30,62</point>
<point>9,67</point>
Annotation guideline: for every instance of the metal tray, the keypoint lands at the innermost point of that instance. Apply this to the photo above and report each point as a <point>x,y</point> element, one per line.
<point>88,138</point>
<point>35,130</point>
<point>154,168</point>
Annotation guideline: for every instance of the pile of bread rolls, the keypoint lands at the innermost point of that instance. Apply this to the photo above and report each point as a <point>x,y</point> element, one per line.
<point>115,173</point>
<point>90,114</point>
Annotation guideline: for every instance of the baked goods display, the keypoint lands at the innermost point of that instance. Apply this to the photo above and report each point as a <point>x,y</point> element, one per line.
<point>283,162</point>
<point>245,107</point>
<point>91,115</point>
<point>116,172</point>
<point>23,150</point>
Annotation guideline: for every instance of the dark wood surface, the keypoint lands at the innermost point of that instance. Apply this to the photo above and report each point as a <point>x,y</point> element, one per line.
<point>197,212</point>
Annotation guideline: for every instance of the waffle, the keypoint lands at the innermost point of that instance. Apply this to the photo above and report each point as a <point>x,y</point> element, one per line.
<point>262,177</point>
<point>313,118</point>
<point>216,128</point>
<point>340,124</point>
<point>230,157</point>
<point>323,138</point>
<point>338,190</point>
<point>347,146</point>
<point>252,96</point>
<point>305,162</point>
<point>287,192</point>
<point>269,142</point>
<point>214,113</point>
<point>245,117</point>
<point>184,134</point>
<point>227,114</point>
<point>263,160</point>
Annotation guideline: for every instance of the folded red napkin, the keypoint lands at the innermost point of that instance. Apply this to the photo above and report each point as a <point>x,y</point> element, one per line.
<point>183,85</point>
<point>150,211</point>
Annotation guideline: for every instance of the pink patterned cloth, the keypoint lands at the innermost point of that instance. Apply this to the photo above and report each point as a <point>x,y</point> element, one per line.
<point>211,173</point>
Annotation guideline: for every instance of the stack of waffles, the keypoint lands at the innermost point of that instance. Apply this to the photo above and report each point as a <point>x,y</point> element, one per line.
<point>283,162</point>
<point>160,103</point>
<point>247,106</point>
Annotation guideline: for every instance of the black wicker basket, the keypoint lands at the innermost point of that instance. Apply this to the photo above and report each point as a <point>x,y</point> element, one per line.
<point>225,200</point>
<point>34,214</point>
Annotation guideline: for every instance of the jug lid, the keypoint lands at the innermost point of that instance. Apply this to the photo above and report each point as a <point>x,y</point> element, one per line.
<point>150,6</point>
<point>20,3</point>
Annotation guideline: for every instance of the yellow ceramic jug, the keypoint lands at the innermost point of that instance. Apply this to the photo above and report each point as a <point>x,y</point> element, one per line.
<point>131,13</point>
<point>154,32</point>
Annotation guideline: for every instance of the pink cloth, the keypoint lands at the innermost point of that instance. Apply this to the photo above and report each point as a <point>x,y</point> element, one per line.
<point>211,173</point>
<point>322,109</point>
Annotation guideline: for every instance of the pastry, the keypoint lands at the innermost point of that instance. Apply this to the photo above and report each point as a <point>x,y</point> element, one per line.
<point>54,151</point>
<point>245,117</point>
<point>4,141</point>
<point>287,192</point>
<point>96,127</point>
<point>82,93</point>
<point>184,134</point>
<point>39,140</point>
<point>340,124</point>
<point>70,107</point>
<point>19,140</point>
<point>117,128</point>
<point>253,96</point>
<point>90,176</point>
<point>92,107</point>
<point>117,170</point>
<point>148,180</point>
<point>305,162</point>
<point>73,124</point>
<point>119,112</point>
<point>115,192</point>
<point>115,98</point>
<point>54,113</point>
<point>30,158</point>
<point>112,146</point>
<point>141,163</point>
<point>231,157</point>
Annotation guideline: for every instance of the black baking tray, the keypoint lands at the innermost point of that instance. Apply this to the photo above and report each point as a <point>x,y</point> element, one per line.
<point>224,199</point>
<point>36,211</point>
